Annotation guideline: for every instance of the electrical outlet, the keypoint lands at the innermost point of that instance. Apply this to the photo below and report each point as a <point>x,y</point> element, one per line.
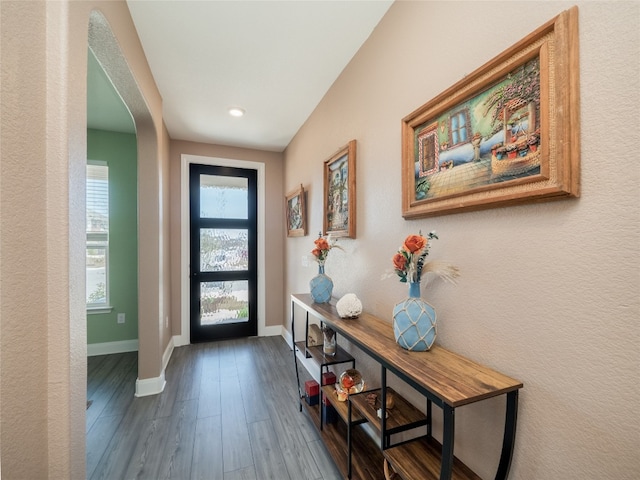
<point>166,321</point>
<point>305,260</point>
<point>121,318</point>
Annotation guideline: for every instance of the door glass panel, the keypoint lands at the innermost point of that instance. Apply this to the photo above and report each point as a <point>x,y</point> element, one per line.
<point>224,302</point>
<point>223,197</point>
<point>223,241</point>
<point>223,250</point>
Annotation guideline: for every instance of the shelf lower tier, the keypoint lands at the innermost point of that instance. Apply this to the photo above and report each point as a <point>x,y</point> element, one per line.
<point>367,460</point>
<point>316,352</point>
<point>329,391</point>
<point>403,416</point>
<point>421,459</point>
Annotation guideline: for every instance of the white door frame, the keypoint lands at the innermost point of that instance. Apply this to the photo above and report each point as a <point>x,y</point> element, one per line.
<point>185,160</point>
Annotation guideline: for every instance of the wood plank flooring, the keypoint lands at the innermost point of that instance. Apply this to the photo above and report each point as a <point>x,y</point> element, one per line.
<point>229,412</point>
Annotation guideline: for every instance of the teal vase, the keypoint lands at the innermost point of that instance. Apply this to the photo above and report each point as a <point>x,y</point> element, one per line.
<point>414,322</point>
<point>321,287</point>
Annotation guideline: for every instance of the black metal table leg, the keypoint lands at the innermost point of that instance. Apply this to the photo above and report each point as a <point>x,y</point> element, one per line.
<point>448,431</point>
<point>321,398</point>
<point>349,432</point>
<point>429,419</point>
<point>295,355</point>
<point>508,440</point>
<point>384,437</point>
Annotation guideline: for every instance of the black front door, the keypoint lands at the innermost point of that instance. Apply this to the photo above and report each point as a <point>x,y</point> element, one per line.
<point>223,231</point>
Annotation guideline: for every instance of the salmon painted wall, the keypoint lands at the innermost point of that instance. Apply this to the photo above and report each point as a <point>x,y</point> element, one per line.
<point>549,292</point>
<point>274,223</point>
<point>43,149</point>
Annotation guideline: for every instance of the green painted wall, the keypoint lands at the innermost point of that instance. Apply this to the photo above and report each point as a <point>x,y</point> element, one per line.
<point>119,150</point>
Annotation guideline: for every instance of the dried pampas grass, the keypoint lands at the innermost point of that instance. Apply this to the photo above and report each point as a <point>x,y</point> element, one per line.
<point>444,270</point>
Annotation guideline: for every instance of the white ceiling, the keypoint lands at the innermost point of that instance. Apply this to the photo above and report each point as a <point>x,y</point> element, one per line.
<point>275,59</point>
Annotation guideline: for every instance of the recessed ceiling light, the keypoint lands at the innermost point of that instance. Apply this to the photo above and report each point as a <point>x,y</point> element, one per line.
<point>236,111</point>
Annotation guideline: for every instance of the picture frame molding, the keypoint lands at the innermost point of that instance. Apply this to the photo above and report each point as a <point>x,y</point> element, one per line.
<point>349,150</point>
<point>555,44</point>
<point>301,230</point>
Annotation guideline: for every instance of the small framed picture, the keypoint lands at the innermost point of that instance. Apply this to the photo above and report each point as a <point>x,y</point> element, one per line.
<point>340,192</point>
<point>296,215</point>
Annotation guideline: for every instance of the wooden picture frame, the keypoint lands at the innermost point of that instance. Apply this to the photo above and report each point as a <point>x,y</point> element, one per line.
<point>296,214</point>
<point>340,193</point>
<point>457,148</point>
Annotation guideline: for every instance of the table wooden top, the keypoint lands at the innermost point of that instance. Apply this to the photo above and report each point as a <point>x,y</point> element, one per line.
<point>452,378</point>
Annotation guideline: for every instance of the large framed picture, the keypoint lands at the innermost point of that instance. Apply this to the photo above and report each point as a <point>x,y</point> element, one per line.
<point>508,133</point>
<point>340,192</point>
<point>296,214</point>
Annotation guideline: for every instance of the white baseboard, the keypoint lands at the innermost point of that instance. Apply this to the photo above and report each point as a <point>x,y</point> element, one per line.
<point>150,386</point>
<point>166,356</point>
<point>181,340</point>
<point>287,337</point>
<point>272,331</point>
<point>153,386</point>
<point>108,348</point>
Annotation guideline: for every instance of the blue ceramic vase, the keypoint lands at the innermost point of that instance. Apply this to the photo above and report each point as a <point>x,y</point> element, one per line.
<point>414,322</point>
<point>321,287</point>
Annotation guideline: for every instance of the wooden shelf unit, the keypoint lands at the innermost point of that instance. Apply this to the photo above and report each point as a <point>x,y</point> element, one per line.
<point>334,436</point>
<point>342,408</point>
<point>422,458</point>
<point>446,379</point>
<point>339,437</point>
<point>403,416</point>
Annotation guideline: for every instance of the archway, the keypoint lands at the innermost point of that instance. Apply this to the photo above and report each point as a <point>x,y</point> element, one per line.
<point>150,241</point>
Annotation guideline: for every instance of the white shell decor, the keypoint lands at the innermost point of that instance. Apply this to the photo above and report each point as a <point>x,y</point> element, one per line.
<point>349,306</point>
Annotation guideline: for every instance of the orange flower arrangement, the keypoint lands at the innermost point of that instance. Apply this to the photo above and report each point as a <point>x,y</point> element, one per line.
<point>409,260</point>
<point>323,246</point>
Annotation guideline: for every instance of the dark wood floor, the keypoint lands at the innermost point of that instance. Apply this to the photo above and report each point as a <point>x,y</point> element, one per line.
<point>229,412</point>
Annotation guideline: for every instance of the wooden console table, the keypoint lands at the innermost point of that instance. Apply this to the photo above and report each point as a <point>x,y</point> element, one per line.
<point>444,378</point>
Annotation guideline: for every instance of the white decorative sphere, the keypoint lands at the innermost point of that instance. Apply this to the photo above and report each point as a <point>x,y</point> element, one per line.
<point>349,306</point>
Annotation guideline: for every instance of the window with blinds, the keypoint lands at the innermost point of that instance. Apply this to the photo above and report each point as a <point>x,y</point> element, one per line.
<point>97,235</point>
